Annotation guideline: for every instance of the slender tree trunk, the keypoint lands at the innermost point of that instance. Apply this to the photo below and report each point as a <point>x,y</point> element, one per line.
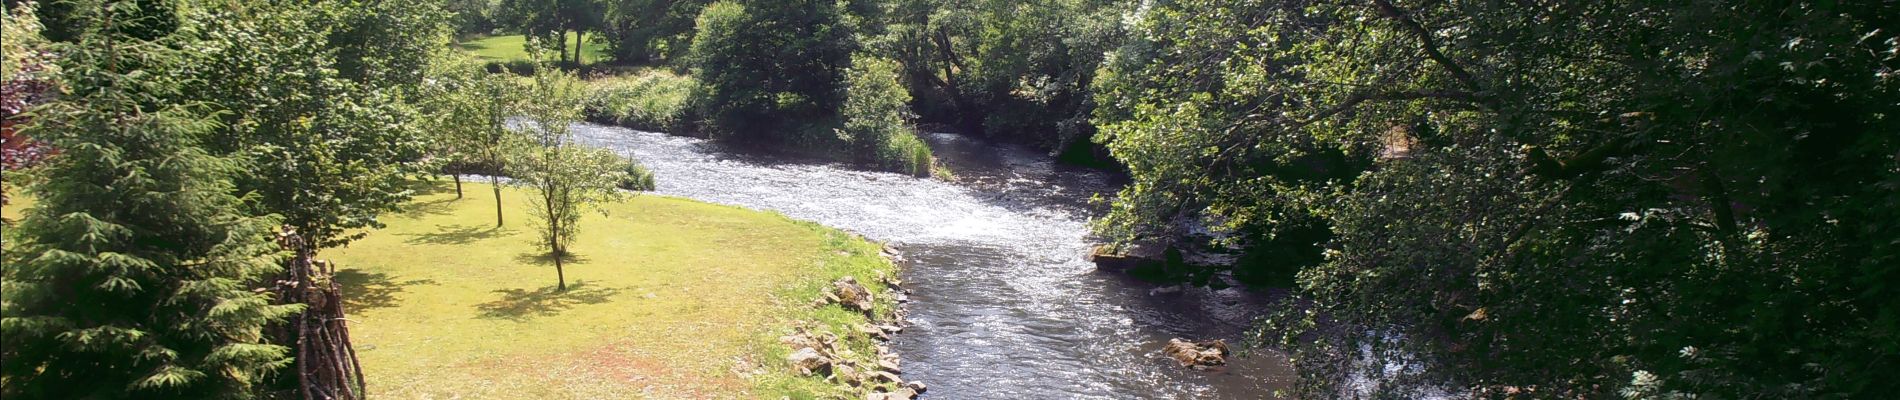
<point>560,275</point>
<point>578,35</point>
<point>496,182</point>
<point>458,186</point>
<point>562,43</point>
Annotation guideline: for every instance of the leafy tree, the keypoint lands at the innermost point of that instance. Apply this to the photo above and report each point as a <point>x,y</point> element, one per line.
<point>877,116</point>
<point>325,147</point>
<point>1019,70</point>
<point>568,179</point>
<point>385,44</point>
<point>551,20</point>
<point>768,66</point>
<point>650,30</point>
<point>130,277</point>
<point>469,110</point>
<point>1581,200</point>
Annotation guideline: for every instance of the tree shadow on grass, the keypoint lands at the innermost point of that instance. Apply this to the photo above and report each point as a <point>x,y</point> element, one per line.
<point>363,290</point>
<point>432,207</point>
<point>547,259</point>
<point>456,234</point>
<point>522,305</point>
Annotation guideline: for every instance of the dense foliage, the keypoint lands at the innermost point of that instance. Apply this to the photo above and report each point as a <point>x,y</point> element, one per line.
<point>1017,70</point>
<point>638,178</point>
<point>1571,199</point>
<point>653,100</point>
<point>318,105</point>
<point>131,278</point>
<point>877,119</point>
<point>770,69</point>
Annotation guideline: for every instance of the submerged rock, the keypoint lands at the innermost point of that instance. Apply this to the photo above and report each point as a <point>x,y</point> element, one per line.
<point>1198,355</point>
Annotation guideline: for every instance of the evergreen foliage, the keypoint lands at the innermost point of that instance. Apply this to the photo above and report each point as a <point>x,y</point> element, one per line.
<point>131,277</point>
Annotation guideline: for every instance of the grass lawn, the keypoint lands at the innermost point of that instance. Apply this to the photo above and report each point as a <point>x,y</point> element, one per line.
<point>667,298</point>
<point>510,48</point>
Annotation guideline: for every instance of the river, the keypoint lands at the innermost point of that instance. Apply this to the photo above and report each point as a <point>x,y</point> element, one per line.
<point>1003,304</point>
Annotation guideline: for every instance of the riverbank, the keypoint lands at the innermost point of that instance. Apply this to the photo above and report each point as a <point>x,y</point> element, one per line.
<point>668,298</point>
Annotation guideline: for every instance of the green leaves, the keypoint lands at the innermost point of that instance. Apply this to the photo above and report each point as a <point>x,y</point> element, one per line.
<point>1419,162</point>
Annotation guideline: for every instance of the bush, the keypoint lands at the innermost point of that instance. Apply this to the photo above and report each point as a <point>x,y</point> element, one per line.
<point>771,70</point>
<point>876,113</point>
<point>517,67</point>
<point>652,100</point>
<point>638,177</point>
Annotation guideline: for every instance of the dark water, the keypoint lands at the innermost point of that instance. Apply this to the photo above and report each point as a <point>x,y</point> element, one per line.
<point>1003,304</point>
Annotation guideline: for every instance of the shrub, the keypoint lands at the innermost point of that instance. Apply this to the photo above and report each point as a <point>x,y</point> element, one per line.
<point>638,177</point>
<point>877,128</point>
<point>771,70</point>
<point>652,100</point>
<point>517,67</point>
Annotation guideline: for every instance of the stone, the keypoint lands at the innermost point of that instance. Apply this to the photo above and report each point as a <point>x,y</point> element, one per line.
<point>874,332</point>
<point>807,361</point>
<point>852,295</point>
<point>917,386</point>
<point>1197,355</point>
<point>887,376</point>
<point>845,374</point>
<point>1131,256</point>
<point>889,365</point>
<point>899,394</point>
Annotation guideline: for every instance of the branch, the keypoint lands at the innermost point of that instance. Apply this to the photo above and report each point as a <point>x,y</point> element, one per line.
<point>1431,45</point>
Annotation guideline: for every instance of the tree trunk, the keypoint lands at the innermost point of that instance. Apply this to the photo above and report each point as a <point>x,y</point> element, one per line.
<point>458,186</point>
<point>562,43</point>
<point>577,50</point>
<point>496,182</point>
<point>560,276</point>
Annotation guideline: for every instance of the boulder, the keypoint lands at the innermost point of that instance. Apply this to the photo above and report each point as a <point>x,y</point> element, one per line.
<point>887,376</point>
<point>1130,256</point>
<point>807,361</point>
<point>851,295</point>
<point>917,386</point>
<point>899,394</point>
<point>1198,355</point>
<point>845,374</point>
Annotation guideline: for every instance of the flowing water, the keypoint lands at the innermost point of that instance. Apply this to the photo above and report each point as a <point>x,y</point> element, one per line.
<point>1003,305</point>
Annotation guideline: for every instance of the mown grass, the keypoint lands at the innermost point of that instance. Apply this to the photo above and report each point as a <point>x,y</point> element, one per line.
<point>667,298</point>
<point>507,48</point>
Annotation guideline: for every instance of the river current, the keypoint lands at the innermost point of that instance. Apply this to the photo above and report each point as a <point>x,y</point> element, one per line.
<point>1003,304</point>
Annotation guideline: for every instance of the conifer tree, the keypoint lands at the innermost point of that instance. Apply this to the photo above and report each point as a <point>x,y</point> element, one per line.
<point>131,276</point>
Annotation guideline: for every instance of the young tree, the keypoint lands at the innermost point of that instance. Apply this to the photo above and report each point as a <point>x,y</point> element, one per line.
<point>568,179</point>
<point>131,277</point>
<point>470,109</point>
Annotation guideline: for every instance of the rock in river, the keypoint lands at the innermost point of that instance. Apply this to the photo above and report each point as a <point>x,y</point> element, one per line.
<point>1198,355</point>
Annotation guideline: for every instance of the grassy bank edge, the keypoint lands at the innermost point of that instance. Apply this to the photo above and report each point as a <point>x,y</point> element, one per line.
<point>844,255</point>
